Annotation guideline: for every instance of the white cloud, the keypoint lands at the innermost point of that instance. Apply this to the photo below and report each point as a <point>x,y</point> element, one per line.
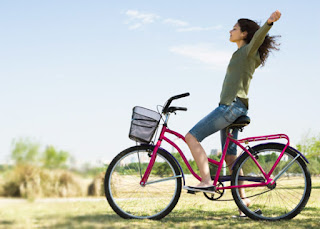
<point>192,29</point>
<point>139,19</point>
<point>143,17</point>
<point>135,26</point>
<point>175,22</point>
<point>205,53</point>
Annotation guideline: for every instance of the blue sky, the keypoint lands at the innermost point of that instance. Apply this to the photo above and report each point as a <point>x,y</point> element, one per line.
<point>71,71</point>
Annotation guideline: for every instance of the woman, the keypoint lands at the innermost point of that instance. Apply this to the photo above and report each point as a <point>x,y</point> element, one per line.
<point>254,46</point>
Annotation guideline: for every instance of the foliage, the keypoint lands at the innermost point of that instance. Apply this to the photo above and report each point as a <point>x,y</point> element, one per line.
<point>53,158</point>
<point>4,168</point>
<point>162,168</point>
<point>213,168</point>
<point>310,147</point>
<point>37,173</point>
<point>87,170</point>
<point>184,166</point>
<point>27,152</point>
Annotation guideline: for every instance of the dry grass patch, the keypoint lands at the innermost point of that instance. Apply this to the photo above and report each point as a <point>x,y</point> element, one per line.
<point>33,182</point>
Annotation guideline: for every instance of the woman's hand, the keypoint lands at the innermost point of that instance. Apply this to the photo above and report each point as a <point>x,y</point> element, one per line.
<point>275,16</point>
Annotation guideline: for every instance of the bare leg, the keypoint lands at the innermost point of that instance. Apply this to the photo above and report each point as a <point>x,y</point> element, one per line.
<point>230,159</point>
<point>201,159</point>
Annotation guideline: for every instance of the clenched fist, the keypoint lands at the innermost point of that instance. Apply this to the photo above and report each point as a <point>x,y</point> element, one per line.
<point>275,16</point>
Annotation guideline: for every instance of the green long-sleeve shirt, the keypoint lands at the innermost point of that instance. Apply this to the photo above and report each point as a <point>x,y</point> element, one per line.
<point>241,68</point>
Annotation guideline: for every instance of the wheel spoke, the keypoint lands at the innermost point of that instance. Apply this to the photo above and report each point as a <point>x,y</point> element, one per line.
<point>287,197</point>
<point>131,200</point>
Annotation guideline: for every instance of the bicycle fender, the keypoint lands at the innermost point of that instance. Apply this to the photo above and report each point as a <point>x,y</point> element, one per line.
<point>238,158</point>
<point>184,182</point>
<point>301,155</point>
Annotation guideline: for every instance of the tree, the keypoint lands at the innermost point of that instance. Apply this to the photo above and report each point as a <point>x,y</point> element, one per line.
<point>25,152</point>
<point>53,158</point>
<point>184,166</point>
<point>310,147</point>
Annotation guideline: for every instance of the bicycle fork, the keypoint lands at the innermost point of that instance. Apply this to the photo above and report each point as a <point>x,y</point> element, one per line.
<point>146,175</point>
<point>150,165</point>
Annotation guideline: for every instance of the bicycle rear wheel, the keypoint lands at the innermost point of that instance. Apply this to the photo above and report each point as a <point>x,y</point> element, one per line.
<point>131,200</point>
<point>286,198</point>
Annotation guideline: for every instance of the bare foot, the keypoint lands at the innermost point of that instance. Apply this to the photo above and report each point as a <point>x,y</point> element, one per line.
<point>247,202</point>
<point>204,184</point>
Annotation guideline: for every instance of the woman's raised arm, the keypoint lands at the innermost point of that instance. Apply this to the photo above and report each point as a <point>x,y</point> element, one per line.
<point>275,16</point>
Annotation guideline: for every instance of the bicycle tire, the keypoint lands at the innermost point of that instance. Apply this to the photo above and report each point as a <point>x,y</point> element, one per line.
<point>286,198</point>
<point>128,198</point>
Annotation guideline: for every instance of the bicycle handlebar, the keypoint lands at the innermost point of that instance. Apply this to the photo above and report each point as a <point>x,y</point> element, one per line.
<point>179,96</point>
<point>167,104</point>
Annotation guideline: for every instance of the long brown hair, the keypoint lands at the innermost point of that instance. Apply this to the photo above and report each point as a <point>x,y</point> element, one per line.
<point>267,46</point>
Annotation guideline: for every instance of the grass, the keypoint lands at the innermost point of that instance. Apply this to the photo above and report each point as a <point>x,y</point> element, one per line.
<point>192,211</point>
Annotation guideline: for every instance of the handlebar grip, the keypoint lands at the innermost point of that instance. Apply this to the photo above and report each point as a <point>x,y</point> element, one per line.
<point>173,109</point>
<point>180,96</point>
<point>165,109</point>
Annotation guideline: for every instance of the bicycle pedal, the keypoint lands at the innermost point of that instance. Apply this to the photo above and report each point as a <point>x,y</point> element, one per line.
<point>191,192</point>
<point>258,211</point>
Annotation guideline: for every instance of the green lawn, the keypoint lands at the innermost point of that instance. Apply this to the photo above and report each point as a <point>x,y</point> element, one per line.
<point>192,211</point>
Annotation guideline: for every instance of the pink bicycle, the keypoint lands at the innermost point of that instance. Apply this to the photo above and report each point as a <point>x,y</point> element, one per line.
<point>145,181</point>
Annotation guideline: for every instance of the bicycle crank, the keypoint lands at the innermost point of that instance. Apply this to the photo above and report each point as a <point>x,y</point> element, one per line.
<point>218,193</point>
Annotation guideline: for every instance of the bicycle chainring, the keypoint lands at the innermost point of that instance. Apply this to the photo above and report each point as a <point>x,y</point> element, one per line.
<point>218,193</point>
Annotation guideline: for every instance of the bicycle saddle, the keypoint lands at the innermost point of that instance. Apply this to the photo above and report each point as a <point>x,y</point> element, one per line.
<point>241,122</point>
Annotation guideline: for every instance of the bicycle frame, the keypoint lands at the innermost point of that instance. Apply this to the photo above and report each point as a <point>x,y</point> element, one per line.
<point>267,176</point>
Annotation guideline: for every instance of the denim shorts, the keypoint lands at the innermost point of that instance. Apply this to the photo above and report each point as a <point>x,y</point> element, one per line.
<point>219,119</point>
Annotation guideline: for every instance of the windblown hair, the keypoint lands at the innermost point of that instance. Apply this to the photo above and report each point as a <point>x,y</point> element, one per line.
<point>267,46</point>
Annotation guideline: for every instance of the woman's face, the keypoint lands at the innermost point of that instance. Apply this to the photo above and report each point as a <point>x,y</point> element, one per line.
<point>236,34</point>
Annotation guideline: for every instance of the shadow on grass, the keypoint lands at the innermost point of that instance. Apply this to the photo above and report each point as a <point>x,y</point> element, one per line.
<point>6,222</point>
<point>315,187</point>
<point>88,221</point>
<point>311,219</point>
<point>311,209</point>
<point>174,219</point>
<point>192,215</point>
<point>206,219</point>
<point>222,218</point>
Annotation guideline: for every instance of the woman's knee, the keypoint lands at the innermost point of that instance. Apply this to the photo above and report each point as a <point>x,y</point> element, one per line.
<point>190,138</point>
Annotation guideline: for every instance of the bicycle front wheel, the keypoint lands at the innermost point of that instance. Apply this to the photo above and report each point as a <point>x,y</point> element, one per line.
<point>131,200</point>
<point>283,200</point>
